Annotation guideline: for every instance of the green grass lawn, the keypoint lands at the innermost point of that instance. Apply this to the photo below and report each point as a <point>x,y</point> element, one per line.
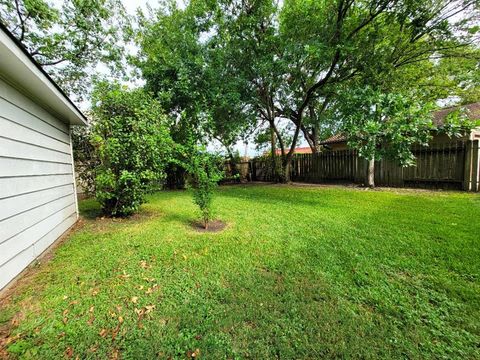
<point>299,272</point>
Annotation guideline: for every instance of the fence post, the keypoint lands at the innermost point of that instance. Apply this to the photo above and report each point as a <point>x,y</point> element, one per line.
<point>467,171</point>
<point>472,166</point>
<point>475,166</point>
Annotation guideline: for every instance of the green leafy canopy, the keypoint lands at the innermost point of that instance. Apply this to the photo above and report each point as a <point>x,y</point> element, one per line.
<point>133,146</point>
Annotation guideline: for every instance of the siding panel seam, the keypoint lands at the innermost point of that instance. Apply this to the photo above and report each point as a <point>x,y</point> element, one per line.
<point>37,131</point>
<point>32,144</point>
<point>34,191</point>
<point>37,241</point>
<point>26,159</point>
<point>33,208</point>
<point>39,118</point>
<point>28,227</point>
<point>32,175</point>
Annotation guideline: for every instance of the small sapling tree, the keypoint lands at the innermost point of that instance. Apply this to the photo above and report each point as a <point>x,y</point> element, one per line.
<point>205,171</point>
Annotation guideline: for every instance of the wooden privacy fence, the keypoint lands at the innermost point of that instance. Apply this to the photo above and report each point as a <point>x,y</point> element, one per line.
<point>452,165</point>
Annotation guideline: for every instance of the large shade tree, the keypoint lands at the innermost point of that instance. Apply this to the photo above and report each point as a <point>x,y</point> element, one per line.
<point>187,70</point>
<point>70,39</point>
<point>300,56</point>
<point>218,63</point>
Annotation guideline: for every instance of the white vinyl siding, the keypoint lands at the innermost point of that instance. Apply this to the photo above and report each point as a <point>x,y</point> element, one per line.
<point>37,195</point>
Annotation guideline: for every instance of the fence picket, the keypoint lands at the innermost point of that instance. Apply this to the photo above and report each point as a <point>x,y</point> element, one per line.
<point>449,165</point>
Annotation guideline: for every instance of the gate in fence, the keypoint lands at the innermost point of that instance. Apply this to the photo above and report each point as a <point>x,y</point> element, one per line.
<point>452,165</point>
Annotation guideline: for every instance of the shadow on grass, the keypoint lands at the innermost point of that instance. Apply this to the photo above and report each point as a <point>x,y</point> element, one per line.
<point>264,194</point>
<point>90,209</point>
<point>185,220</point>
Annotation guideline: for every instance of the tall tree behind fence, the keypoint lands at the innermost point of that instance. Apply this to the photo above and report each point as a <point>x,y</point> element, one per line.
<point>452,165</point>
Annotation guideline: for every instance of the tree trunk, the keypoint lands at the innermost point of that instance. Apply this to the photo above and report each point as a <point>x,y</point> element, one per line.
<point>371,173</point>
<point>314,136</point>
<point>274,160</point>
<point>233,165</point>
<point>284,177</point>
<point>276,166</point>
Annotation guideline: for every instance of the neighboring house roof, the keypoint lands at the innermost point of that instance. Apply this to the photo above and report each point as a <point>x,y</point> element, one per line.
<point>439,116</point>
<point>18,68</point>
<point>473,113</point>
<point>298,150</point>
<point>337,138</point>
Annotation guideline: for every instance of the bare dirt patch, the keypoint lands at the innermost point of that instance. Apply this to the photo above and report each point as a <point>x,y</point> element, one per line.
<point>213,226</point>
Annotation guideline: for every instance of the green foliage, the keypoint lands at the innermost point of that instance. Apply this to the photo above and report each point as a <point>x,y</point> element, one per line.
<point>85,156</point>
<point>133,147</point>
<point>205,171</point>
<point>189,74</point>
<point>172,64</point>
<point>379,124</point>
<point>300,58</point>
<point>70,38</point>
<point>458,123</point>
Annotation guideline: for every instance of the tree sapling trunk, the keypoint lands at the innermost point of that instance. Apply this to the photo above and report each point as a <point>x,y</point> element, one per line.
<point>371,173</point>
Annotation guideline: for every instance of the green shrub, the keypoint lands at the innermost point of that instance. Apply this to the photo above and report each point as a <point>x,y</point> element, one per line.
<point>133,146</point>
<point>86,159</point>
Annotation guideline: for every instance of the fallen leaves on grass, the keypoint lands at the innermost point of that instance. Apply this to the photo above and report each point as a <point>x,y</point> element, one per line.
<point>193,354</point>
<point>69,352</point>
<point>92,318</point>
<point>115,355</point>
<point>124,275</point>
<point>151,289</point>
<point>149,309</point>
<point>144,265</point>
<point>142,312</point>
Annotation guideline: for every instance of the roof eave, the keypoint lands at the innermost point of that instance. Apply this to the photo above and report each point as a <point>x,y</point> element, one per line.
<point>22,71</point>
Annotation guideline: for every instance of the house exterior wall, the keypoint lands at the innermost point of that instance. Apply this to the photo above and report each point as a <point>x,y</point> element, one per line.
<point>37,187</point>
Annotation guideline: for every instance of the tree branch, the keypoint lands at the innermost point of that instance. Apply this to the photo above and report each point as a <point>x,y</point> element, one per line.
<point>22,21</point>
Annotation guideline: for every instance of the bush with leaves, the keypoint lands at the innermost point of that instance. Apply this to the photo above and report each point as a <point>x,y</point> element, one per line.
<point>205,171</point>
<point>86,158</point>
<point>133,147</point>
